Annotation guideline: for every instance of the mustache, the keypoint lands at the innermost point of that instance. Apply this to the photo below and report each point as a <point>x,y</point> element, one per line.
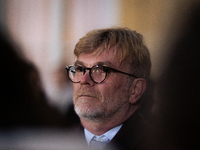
<point>85,91</point>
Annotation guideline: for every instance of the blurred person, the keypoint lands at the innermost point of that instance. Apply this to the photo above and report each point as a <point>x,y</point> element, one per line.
<point>26,119</point>
<point>178,88</point>
<point>109,78</point>
<point>62,95</point>
<point>23,101</point>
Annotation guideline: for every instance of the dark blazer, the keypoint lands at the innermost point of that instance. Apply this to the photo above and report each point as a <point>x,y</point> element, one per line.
<point>135,134</point>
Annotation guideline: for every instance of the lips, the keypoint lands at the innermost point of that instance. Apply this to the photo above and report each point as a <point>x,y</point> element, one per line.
<point>87,95</point>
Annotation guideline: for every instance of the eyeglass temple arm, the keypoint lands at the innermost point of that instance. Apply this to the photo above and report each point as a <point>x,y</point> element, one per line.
<point>123,72</point>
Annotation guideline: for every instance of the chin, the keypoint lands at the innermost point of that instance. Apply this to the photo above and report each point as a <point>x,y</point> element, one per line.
<point>89,112</point>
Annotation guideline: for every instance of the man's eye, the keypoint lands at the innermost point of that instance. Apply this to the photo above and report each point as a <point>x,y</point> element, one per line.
<point>100,69</point>
<point>105,69</point>
<point>79,69</point>
<point>96,70</point>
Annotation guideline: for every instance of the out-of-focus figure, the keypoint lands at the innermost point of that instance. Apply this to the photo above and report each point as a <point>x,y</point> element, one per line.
<point>23,102</point>
<point>178,88</point>
<point>26,119</point>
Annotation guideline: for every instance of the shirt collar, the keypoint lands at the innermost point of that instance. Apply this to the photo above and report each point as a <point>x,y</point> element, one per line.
<point>109,134</point>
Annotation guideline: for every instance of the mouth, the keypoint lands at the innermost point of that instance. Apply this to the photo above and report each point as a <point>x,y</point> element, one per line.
<point>87,96</point>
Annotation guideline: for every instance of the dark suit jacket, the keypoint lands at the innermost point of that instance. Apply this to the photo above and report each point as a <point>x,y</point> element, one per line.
<point>135,134</point>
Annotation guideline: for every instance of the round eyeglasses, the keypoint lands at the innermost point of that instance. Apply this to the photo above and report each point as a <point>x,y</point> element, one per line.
<point>97,73</point>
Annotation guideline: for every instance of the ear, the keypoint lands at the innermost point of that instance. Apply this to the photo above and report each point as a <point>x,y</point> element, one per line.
<point>138,88</point>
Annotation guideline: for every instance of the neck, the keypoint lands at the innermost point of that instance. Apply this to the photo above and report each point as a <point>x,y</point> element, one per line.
<point>101,126</point>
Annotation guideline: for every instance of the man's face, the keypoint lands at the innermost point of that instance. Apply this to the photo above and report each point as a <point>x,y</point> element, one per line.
<point>101,101</point>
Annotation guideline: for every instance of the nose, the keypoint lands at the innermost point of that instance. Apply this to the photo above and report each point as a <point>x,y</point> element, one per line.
<point>86,78</point>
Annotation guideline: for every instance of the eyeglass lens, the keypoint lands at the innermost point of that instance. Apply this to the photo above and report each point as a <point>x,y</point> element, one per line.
<point>97,73</point>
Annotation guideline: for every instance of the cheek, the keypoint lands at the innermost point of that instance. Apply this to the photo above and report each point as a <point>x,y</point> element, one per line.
<point>75,88</point>
<point>111,91</point>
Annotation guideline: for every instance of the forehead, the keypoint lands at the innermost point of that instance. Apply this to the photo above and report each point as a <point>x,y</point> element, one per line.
<point>107,57</point>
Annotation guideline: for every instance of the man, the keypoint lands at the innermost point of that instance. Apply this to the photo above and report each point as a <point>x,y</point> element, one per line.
<point>109,77</point>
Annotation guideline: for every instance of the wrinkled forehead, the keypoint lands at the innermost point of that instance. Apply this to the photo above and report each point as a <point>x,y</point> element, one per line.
<point>106,58</point>
<point>113,53</point>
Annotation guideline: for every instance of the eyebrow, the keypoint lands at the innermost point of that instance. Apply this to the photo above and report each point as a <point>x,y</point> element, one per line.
<point>79,63</point>
<point>106,63</point>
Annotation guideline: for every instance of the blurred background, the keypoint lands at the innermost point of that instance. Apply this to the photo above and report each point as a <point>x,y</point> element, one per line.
<point>46,31</point>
